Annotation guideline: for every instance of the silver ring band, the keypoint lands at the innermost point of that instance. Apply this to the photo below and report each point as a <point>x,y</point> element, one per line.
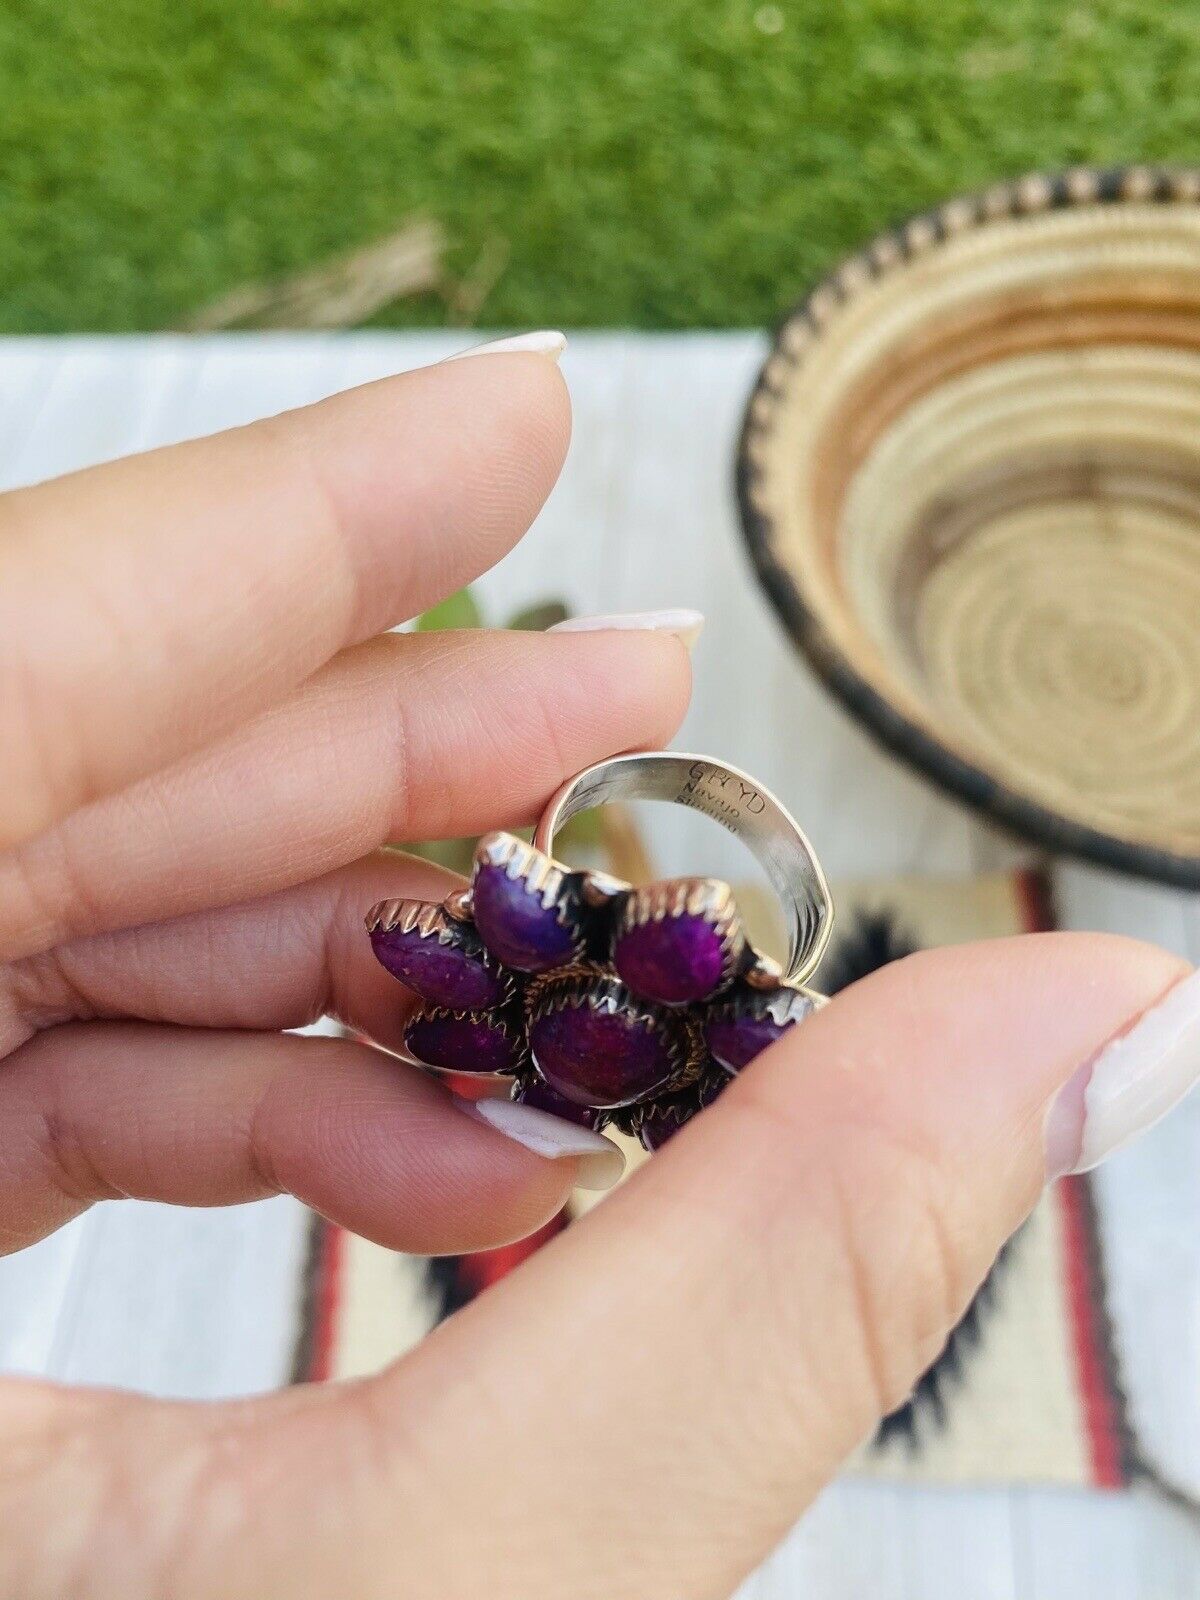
<point>741,805</point>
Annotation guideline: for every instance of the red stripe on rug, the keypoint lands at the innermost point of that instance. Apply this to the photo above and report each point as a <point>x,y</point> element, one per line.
<point>1097,1402</point>
<point>1036,900</point>
<point>481,1269</point>
<point>326,1300</point>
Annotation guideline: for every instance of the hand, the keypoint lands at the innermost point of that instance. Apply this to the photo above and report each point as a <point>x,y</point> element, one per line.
<point>204,734</point>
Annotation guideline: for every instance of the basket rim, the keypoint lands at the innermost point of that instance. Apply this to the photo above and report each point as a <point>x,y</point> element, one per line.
<point>980,787</point>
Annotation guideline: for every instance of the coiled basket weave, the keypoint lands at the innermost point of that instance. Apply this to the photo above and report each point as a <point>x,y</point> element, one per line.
<point>970,480</point>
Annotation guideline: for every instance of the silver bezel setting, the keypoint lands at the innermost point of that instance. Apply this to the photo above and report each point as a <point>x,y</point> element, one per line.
<point>542,876</point>
<point>741,805</point>
<point>429,920</point>
<point>785,1003</point>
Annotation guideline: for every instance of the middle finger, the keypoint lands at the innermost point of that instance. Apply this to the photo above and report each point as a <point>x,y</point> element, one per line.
<point>406,737</point>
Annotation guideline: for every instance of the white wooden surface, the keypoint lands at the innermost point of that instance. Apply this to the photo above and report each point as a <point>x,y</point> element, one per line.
<point>188,1303</point>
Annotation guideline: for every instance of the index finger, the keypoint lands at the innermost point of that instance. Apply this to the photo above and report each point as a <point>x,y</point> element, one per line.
<point>148,603</point>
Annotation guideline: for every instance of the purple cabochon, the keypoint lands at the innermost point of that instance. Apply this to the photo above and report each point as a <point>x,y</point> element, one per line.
<point>735,1041</point>
<point>673,959</point>
<point>596,1058</point>
<point>543,1097</point>
<point>461,1044</point>
<point>514,924</point>
<point>443,974</point>
<point>737,1033</point>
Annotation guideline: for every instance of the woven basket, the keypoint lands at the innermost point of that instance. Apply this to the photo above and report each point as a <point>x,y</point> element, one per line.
<point>970,480</point>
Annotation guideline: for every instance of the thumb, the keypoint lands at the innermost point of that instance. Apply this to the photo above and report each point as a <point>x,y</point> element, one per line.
<point>644,1408</point>
<point>671,1382</point>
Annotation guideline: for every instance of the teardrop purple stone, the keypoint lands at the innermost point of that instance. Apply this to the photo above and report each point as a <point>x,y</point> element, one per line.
<point>443,974</point>
<point>738,1032</point>
<point>514,924</point>
<point>461,1044</point>
<point>543,1098</point>
<point>735,1041</point>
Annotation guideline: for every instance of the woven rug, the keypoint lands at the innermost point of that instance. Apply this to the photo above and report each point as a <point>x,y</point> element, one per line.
<point>1028,1389</point>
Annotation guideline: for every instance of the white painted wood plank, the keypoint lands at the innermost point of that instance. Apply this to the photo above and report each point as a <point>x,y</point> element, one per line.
<point>994,850</point>
<point>1092,899</point>
<point>847,1544</point>
<point>1071,1545</point>
<point>892,1542</point>
<point>564,555</point>
<point>186,1304</point>
<point>27,373</point>
<point>96,406</point>
<point>35,1285</point>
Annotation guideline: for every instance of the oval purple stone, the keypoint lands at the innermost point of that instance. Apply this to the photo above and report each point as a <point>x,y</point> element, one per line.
<point>600,1058</point>
<point>514,924</point>
<point>443,974</point>
<point>671,959</point>
<point>461,1044</point>
<point>735,1041</point>
<point>543,1098</point>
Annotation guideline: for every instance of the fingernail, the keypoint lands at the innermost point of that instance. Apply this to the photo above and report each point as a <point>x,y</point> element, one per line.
<point>549,343</point>
<point>683,623</point>
<point>600,1162</point>
<point>1129,1085</point>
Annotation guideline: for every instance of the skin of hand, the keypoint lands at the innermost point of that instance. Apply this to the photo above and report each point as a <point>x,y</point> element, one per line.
<point>206,735</point>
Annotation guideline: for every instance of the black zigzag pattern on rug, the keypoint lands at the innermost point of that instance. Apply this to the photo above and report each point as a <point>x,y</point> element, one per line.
<point>873,940</point>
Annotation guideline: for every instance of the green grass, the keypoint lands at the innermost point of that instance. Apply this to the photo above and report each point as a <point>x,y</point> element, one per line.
<point>661,163</point>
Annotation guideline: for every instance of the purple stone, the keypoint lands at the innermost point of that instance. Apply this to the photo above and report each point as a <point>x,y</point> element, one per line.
<point>735,1041</point>
<point>515,925</point>
<point>599,1058</point>
<point>542,1096</point>
<point>672,959</point>
<point>443,974</point>
<point>737,1032</point>
<point>664,1120</point>
<point>461,1044</point>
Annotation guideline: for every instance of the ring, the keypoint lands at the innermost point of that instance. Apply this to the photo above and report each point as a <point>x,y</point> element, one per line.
<point>610,1004</point>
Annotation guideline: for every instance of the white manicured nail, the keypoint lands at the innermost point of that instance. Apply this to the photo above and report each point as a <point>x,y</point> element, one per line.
<point>600,1162</point>
<point>1133,1082</point>
<point>683,623</point>
<point>549,343</point>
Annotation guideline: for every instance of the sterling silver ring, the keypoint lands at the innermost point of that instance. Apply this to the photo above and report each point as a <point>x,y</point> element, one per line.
<point>606,1003</point>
